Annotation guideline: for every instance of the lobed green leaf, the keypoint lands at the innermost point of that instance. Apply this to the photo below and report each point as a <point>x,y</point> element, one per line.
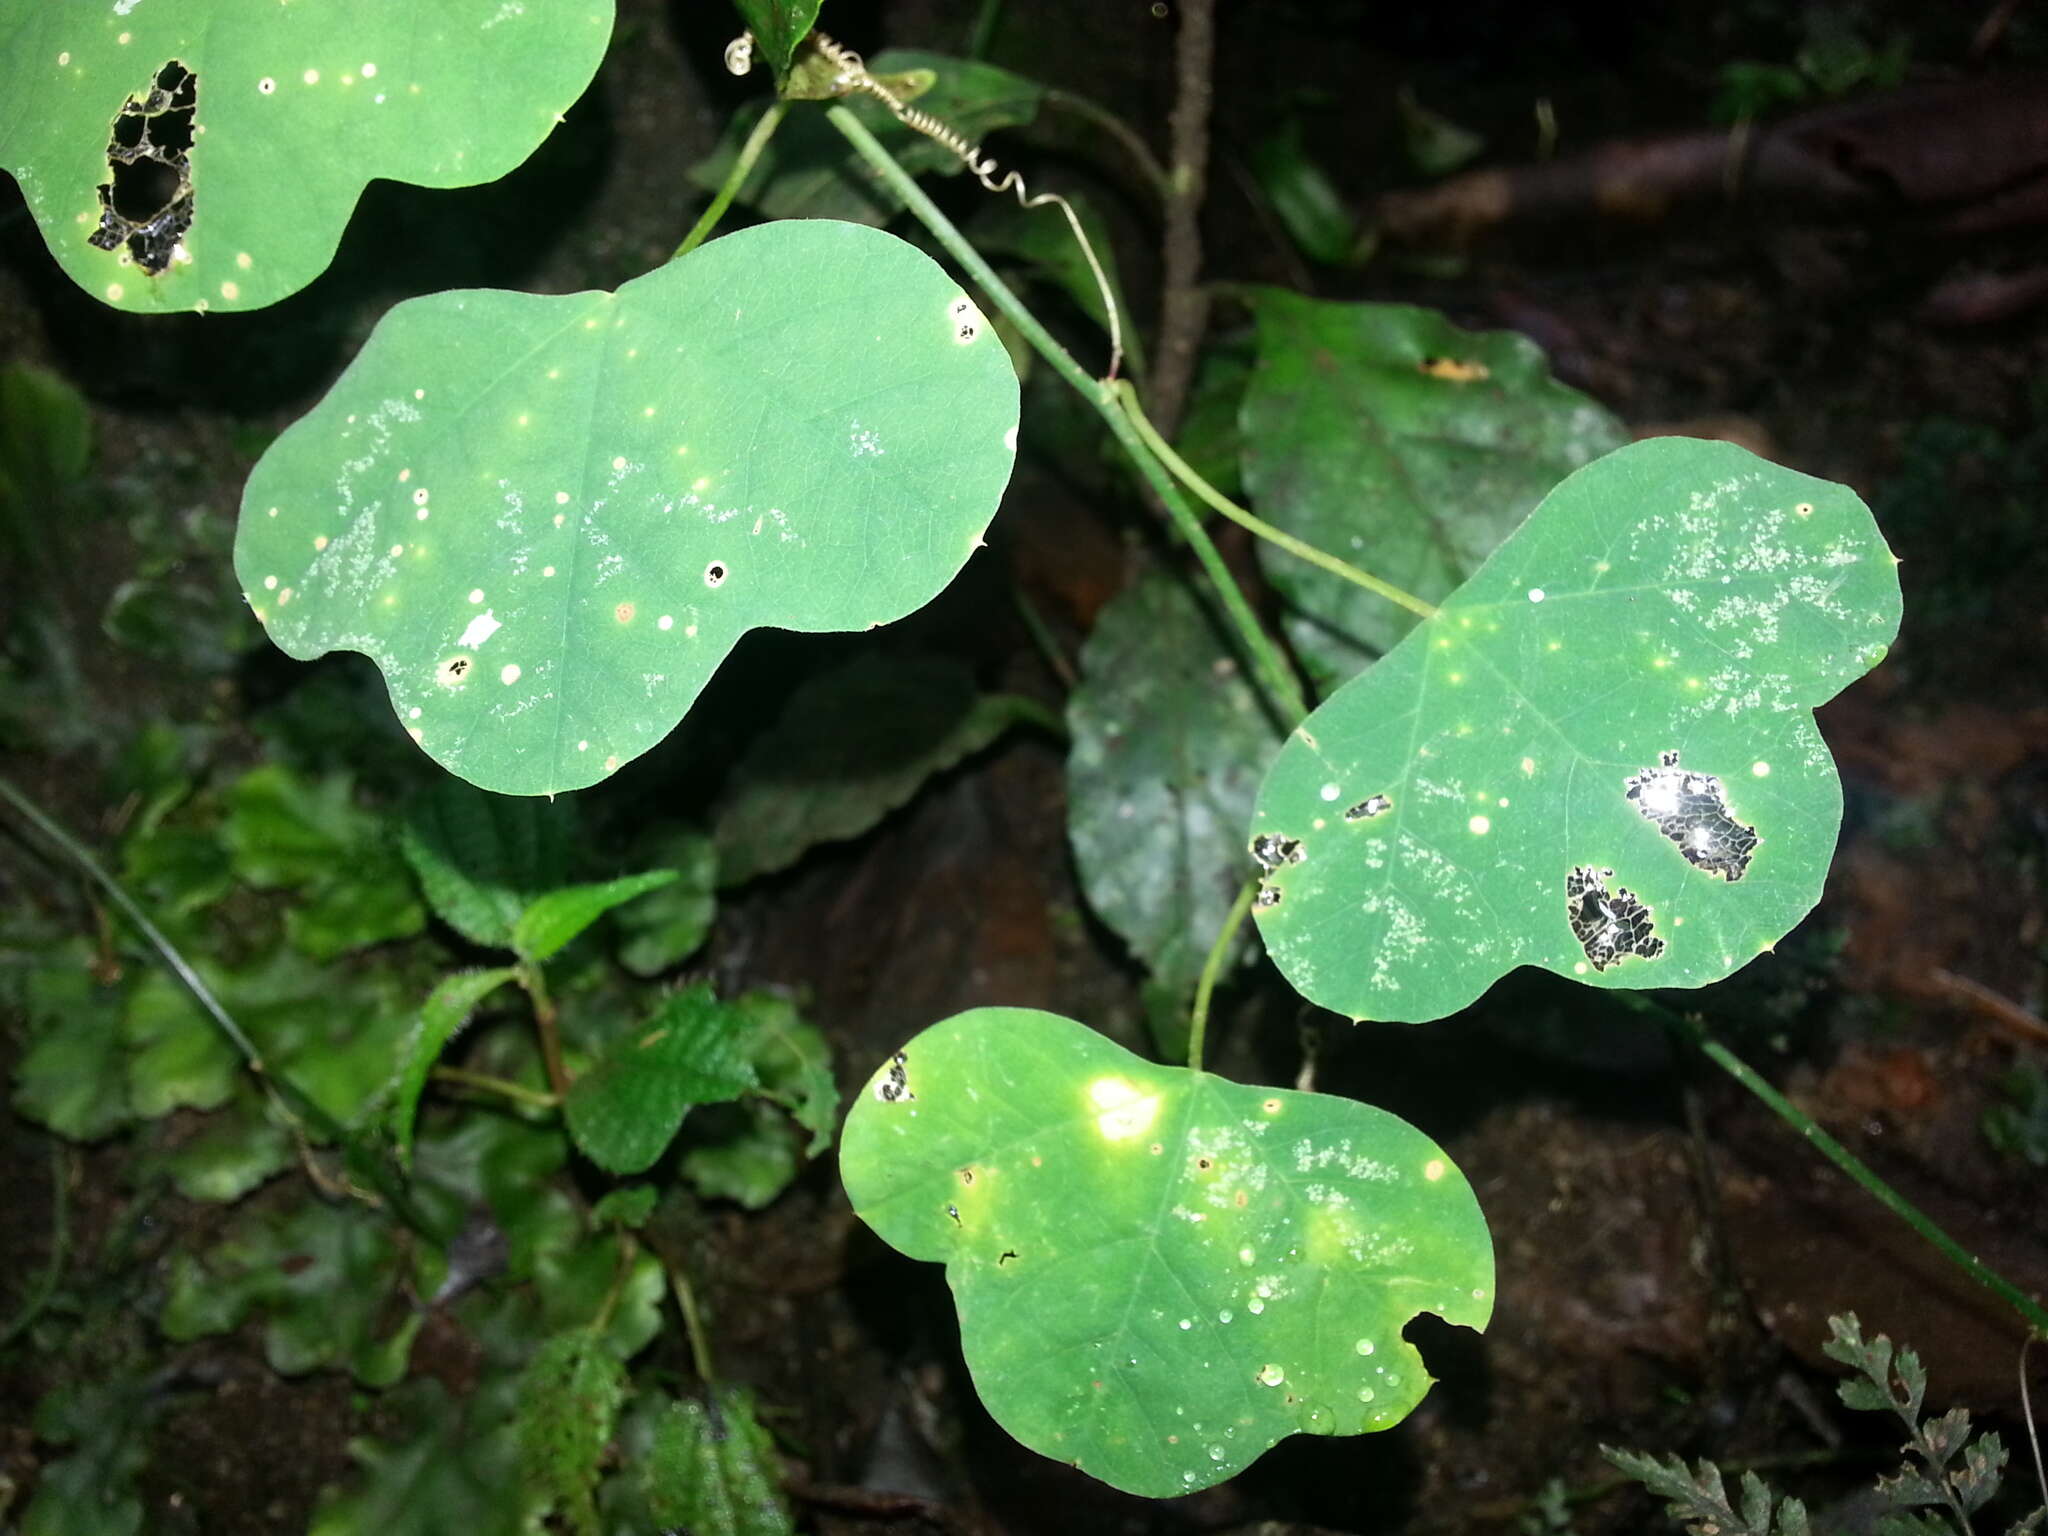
<point>624,1111</point>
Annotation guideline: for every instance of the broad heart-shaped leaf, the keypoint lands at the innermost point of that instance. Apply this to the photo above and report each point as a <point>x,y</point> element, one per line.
<point>624,1111</point>
<point>247,133</point>
<point>1599,757</point>
<point>1387,435</point>
<point>1168,739</point>
<point>548,518</point>
<point>1160,1272</point>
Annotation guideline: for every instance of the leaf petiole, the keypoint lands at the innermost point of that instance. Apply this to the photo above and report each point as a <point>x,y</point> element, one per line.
<point>1205,987</point>
<point>742,165</point>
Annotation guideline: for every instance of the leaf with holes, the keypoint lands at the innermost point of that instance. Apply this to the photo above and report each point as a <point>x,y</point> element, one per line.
<point>547,518</point>
<point>201,154</point>
<point>1599,757</point>
<point>1386,434</point>
<point>1168,738</point>
<point>1160,1273</point>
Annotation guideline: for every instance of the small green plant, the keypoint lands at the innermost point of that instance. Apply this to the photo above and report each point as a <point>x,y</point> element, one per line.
<point>1948,1476</point>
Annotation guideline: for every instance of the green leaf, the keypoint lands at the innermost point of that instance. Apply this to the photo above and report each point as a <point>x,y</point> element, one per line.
<point>45,443</point>
<point>627,1207</point>
<point>180,1059</point>
<point>592,496</point>
<point>809,172</point>
<point>449,1466</point>
<point>853,744</point>
<point>556,918</point>
<point>446,1010</point>
<point>1159,1272</point>
<point>794,1063</point>
<point>747,1152</point>
<point>741,1152</point>
<point>666,928</point>
<point>92,1491</point>
<point>1168,737</point>
<point>259,130</point>
<point>73,1078</point>
<point>481,858</point>
<point>306,835</point>
<point>1598,758</point>
<point>1304,199</point>
<point>324,1277</point>
<point>237,1150</point>
<point>778,26</point>
<point>712,1470</point>
<point>1388,436</point>
<point>1436,145</point>
<point>568,1404</point>
<point>624,1111</point>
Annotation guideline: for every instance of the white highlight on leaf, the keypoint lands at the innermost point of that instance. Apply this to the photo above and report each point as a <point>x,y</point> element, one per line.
<point>481,628</point>
<point>476,594</point>
<point>1535,594</point>
<point>510,674</point>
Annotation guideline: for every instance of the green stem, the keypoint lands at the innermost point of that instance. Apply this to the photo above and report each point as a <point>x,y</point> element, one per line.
<point>1198,1016</point>
<point>291,1101</point>
<point>985,22</point>
<point>1287,697</point>
<point>1042,637</point>
<point>503,1087</point>
<point>60,1244</point>
<point>735,178</point>
<point>693,1322</point>
<point>1186,475</point>
<point>2031,1311</point>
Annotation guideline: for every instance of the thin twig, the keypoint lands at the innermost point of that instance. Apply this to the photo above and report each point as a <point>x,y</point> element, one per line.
<point>1212,967</point>
<point>1183,302</point>
<point>1126,136</point>
<point>1186,474</point>
<point>1042,637</point>
<point>1284,692</point>
<point>735,178</point>
<point>1994,1005</point>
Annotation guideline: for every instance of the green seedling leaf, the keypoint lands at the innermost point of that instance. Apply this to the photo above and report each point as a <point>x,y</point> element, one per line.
<point>237,1150</point>
<point>45,443</point>
<point>1598,758</point>
<point>555,919</point>
<point>1167,738</point>
<point>854,744</point>
<point>92,1491</point>
<point>1436,145</point>
<point>1390,437</point>
<point>324,1277</point>
<point>624,1111</point>
<point>179,1058</point>
<point>446,1010</point>
<point>741,1152</point>
<point>1161,1273</point>
<point>1304,199</point>
<point>711,1469</point>
<point>73,1078</point>
<point>568,1404</point>
<point>450,1466</point>
<point>548,518</point>
<point>666,927</point>
<point>307,836</point>
<point>809,172</point>
<point>628,1207</point>
<point>482,858</point>
<point>794,1063</point>
<point>778,26</point>
<point>193,155</point>
<point>747,1152</point>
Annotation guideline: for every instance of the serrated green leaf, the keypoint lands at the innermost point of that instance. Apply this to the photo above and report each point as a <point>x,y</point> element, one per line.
<point>666,928</point>
<point>1159,1272</point>
<point>258,131</point>
<point>624,1111</point>
<point>1168,739</point>
<point>568,1403</point>
<point>1391,437</point>
<point>794,1063</point>
<point>482,857</point>
<point>237,1150</point>
<point>853,744</point>
<point>778,26</point>
<point>1983,1468</point>
<point>628,1207</point>
<point>712,1470</point>
<point>324,1278</point>
<point>615,487</point>
<point>554,919</point>
<point>92,1492</point>
<point>73,1077</point>
<point>744,1152</point>
<point>450,1466</point>
<point>808,171</point>
<point>306,835</point>
<point>443,1014</point>
<point>1598,758</point>
<point>179,1058</point>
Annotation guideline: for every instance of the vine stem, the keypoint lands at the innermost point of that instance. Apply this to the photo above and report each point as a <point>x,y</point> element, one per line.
<point>1198,1016</point>
<point>1186,474</point>
<point>2035,1316</point>
<point>742,166</point>
<point>1285,692</point>
<point>292,1102</point>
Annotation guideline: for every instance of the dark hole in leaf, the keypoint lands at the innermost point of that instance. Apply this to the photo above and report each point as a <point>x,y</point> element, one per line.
<point>146,204</point>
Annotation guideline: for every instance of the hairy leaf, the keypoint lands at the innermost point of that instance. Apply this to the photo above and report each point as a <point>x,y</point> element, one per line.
<point>233,143</point>
<point>1599,757</point>
<point>547,518</point>
<point>481,858</point>
<point>1159,1272</point>
<point>557,917</point>
<point>664,928</point>
<point>624,1111</point>
<point>712,1470</point>
<point>568,1402</point>
<point>443,1014</point>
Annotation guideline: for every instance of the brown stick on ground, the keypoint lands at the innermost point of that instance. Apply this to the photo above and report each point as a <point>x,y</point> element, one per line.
<point>1183,303</point>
